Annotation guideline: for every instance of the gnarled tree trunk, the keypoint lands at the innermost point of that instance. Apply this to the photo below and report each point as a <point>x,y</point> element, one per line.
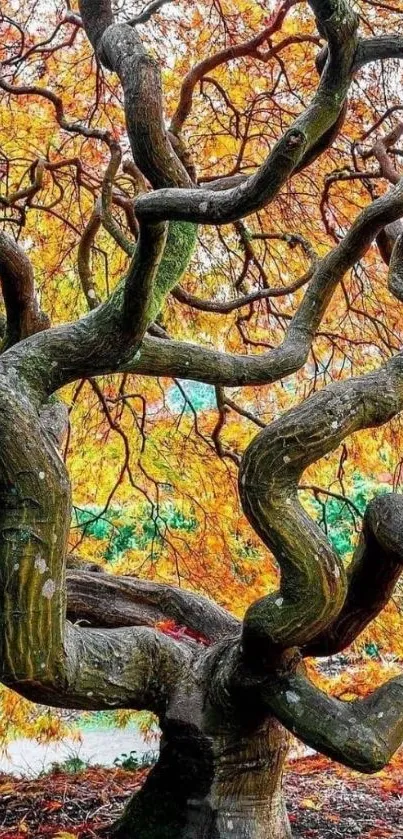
<point>219,774</point>
<point>224,710</point>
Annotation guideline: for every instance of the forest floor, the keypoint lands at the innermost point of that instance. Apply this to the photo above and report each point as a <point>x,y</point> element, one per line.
<point>325,801</point>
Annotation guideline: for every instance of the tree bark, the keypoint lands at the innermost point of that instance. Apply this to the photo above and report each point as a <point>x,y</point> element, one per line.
<point>219,774</point>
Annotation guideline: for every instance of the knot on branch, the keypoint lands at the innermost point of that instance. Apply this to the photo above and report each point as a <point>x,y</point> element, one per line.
<point>336,20</point>
<point>295,139</point>
<point>117,47</point>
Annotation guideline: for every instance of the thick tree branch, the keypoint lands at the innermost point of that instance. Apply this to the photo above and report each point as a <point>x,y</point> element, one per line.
<point>72,351</point>
<point>363,734</point>
<point>190,361</point>
<point>371,577</point>
<point>110,334</point>
<point>380,150</point>
<point>40,656</point>
<point>119,48</point>
<point>395,273</point>
<point>111,601</point>
<point>338,23</point>
<point>378,49</point>
<point>313,586</point>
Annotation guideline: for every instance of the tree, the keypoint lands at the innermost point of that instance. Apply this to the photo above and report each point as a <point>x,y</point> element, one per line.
<point>225,706</point>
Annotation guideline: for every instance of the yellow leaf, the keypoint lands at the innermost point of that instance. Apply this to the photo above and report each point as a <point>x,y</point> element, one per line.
<point>310,804</point>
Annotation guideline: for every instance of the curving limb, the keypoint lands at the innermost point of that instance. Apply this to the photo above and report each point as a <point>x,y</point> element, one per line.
<point>42,656</point>
<point>106,600</point>
<point>149,10</point>
<point>371,576</point>
<point>155,356</point>
<point>192,361</point>
<point>362,735</point>
<point>223,307</point>
<point>84,256</point>
<point>313,586</point>
<point>312,132</point>
<point>338,23</point>
<point>119,48</point>
<point>395,273</point>
<point>112,332</point>
<point>378,49</point>
<point>387,237</point>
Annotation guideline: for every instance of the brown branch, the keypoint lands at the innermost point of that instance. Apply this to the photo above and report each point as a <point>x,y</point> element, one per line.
<point>36,176</point>
<point>395,273</point>
<point>148,12</point>
<point>84,256</point>
<point>247,48</point>
<point>119,48</point>
<point>363,734</point>
<point>380,150</point>
<point>220,307</point>
<point>56,101</point>
<point>377,49</point>
<point>371,577</point>
<point>110,601</point>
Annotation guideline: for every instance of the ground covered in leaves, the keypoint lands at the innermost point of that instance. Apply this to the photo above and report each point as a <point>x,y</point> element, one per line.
<point>325,802</point>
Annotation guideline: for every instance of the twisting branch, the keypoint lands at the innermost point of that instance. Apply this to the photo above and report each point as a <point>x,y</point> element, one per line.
<point>72,127</point>
<point>387,237</point>
<point>339,24</point>
<point>313,585</point>
<point>119,48</point>
<point>174,358</point>
<point>371,576</point>
<point>110,601</point>
<point>380,151</point>
<point>223,409</point>
<point>108,221</point>
<point>395,273</point>
<point>363,734</point>
<point>158,356</point>
<point>224,307</point>
<point>102,215</point>
<point>84,256</point>
<point>148,12</point>
<point>36,176</point>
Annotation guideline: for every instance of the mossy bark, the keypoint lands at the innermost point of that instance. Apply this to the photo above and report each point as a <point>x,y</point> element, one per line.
<point>213,780</point>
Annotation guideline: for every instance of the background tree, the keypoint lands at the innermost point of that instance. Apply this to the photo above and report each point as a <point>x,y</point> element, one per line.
<point>226,691</point>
